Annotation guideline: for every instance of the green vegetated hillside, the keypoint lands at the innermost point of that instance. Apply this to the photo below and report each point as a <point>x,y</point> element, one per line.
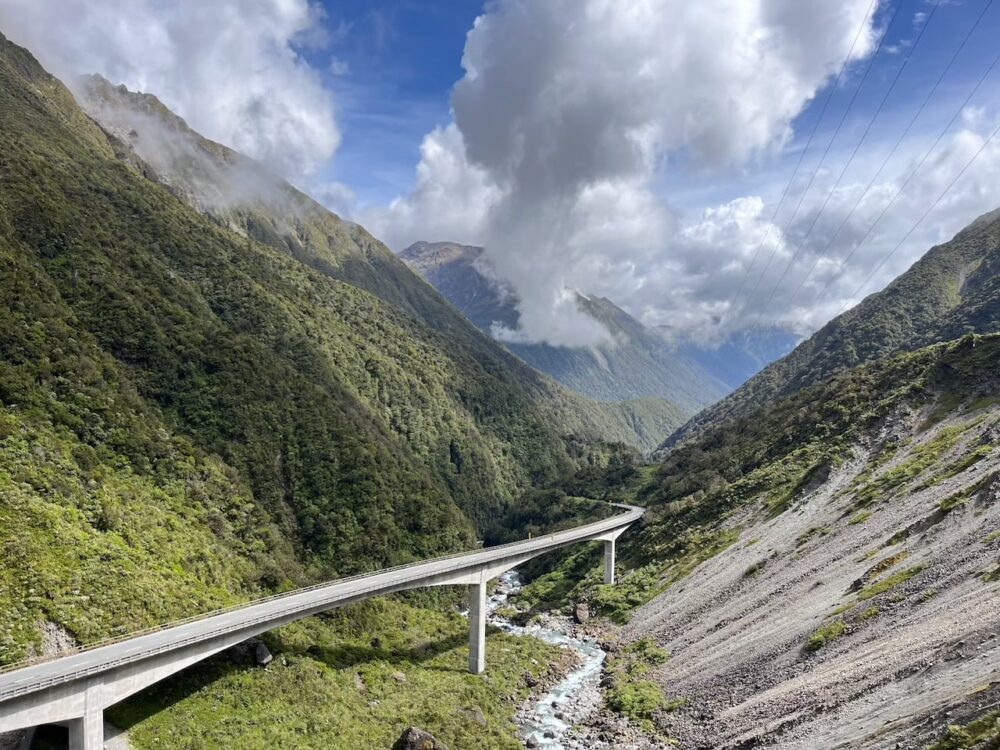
<point>194,412</point>
<point>639,364</point>
<point>954,289</point>
<point>244,197</point>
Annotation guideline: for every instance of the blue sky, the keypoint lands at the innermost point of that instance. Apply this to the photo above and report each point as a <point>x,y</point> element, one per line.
<point>632,149</point>
<point>399,62</point>
<point>403,57</point>
<point>951,21</point>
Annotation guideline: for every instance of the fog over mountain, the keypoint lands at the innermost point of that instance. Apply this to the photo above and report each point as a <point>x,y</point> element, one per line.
<point>635,362</point>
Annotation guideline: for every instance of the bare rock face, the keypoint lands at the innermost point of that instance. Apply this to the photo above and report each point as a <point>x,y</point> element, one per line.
<point>262,655</point>
<point>251,652</point>
<point>417,739</point>
<point>14,740</point>
<point>55,639</point>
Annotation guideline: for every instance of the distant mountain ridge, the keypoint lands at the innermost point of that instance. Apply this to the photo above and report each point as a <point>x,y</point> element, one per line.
<point>954,289</point>
<point>741,354</point>
<point>640,364</point>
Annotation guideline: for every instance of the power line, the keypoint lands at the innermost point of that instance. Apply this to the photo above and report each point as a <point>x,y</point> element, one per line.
<point>921,219</point>
<point>802,153</point>
<point>823,253</point>
<point>906,182</point>
<point>802,243</point>
<point>829,145</point>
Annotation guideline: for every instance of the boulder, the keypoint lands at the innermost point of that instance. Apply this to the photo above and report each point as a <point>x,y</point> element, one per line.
<point>414,738</point>
<point>262,655</point>
<point>581,613</point>
<point>251,652</point>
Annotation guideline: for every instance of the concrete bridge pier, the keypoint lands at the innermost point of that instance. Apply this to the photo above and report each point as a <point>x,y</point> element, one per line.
<point>87,733</point>
<point>477,627</point>
<point>610,541</point>
<point>609,561</point>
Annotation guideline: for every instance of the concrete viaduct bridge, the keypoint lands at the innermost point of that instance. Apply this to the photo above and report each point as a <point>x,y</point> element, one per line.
<point>76,688</point>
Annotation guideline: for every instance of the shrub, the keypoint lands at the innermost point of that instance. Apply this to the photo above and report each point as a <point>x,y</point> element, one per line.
<point>823,635</point>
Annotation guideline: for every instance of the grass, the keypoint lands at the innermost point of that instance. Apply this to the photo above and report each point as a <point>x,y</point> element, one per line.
<point>946,404</point>
<point>824,635</point>
<point>968,460</point>
<point>636,700</point>
<point>869,592</point>
<point>983,402</point>
<point>842,609</point>
<point>927,594</point>
<point>868,614</point>
<point>639,586</point>
<point>811,532</point>
<point>860,517</point>
<point>883,565</point>
<point>954,500</point>
<point>983,732</point>
<point>354,679</point>
<point>920,459</point>
<point>991,537</point>
<point>755,568</point>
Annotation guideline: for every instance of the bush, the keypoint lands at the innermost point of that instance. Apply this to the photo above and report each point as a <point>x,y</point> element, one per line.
<point>636,700</point>
<point>822,636</point>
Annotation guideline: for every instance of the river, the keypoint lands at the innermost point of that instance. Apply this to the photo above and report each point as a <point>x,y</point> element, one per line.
<point>576,697</point>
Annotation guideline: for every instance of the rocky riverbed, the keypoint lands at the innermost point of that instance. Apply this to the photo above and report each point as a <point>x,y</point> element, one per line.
<point>570,715</point>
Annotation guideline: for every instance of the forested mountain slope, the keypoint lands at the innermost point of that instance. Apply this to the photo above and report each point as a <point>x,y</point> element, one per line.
<point>639,363</point>
<point>954,289</point>
<point>246,198</point>
<point>188,416</point>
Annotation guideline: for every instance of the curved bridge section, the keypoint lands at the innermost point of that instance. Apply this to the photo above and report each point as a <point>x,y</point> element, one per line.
<point>75,689</point>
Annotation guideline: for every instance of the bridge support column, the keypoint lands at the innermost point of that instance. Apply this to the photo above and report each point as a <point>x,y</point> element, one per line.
<point>477,627</point>
<point>87,733</point>
<point>609,561</point>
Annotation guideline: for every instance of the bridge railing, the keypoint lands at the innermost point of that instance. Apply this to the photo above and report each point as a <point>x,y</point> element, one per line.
<point>112,640</point>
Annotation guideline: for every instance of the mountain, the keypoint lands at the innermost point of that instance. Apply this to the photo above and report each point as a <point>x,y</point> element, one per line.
<point>742,354</point>
<point>639,364</point>
<point>954,289</point>
<point>803,568</point>
<point>463,276</point>
<point>198,407</point>
<point>826,538</point>
<point>244,197</point>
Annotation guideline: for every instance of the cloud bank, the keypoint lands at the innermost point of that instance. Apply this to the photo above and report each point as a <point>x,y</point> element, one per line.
<point>571,116</point>
<point>569,109</point>
<point>230,67</point>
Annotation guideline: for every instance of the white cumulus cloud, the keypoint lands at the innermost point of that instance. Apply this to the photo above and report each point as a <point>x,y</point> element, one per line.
<point>229,67</point>
<point>568,111</point>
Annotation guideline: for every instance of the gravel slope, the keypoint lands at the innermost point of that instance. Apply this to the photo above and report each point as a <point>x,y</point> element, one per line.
<point>927,656</point>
